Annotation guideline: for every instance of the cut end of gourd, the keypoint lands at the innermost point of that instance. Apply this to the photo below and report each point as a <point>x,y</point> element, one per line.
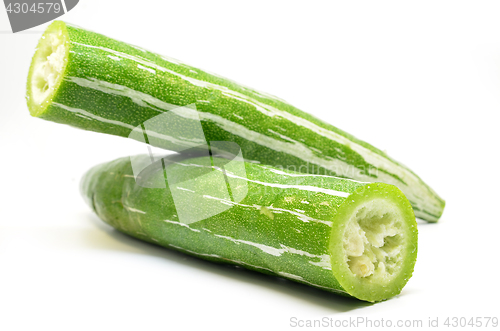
<point>373,240</point>
<point>47,67</point>
<point>378,243</point>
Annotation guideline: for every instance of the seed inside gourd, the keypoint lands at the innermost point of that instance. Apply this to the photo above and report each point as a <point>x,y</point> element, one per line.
<point>49,65</point>
<point>373,240</point>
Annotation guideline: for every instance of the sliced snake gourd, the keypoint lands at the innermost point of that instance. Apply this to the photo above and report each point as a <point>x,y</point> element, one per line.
<point>352,238</point>
<point>96,83</point>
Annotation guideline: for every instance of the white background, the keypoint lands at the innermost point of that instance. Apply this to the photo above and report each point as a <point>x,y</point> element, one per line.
<point>420,80</point>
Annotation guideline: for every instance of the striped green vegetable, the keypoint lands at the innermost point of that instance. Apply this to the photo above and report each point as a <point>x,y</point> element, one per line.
<point>352,238</point>
<point>93,82</point>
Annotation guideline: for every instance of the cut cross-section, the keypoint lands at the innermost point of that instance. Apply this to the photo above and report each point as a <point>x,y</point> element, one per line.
<point>373,240</point>
<point>47,67</point>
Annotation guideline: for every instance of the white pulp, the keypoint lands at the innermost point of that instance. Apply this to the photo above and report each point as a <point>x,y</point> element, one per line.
<point>48,66</point>
<point>373,239</point>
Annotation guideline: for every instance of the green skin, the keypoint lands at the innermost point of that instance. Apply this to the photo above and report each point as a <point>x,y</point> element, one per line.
<point>111,87</point>
<point>292,232</point>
